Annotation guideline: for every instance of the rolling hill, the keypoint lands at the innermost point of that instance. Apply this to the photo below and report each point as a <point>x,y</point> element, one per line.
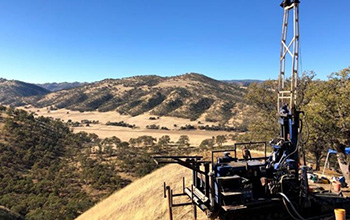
<point>143,199</point>
<point>13,91</point>
<point>187,96</point>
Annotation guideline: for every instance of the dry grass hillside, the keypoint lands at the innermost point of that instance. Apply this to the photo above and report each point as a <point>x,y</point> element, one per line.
<point>143,199</point>
<point>13,91</point>
<point>186,96</point>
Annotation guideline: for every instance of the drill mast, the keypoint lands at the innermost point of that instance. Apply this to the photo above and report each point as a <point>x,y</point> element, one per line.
<point>289,51</point>
<point>289,115</point>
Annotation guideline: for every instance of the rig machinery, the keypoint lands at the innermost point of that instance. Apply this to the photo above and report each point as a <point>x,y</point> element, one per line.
<point>273,187</point>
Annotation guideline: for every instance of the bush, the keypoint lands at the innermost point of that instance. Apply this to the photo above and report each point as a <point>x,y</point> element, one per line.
<point>207,143</point>
<point>155,127</point>
<point>121,124</point>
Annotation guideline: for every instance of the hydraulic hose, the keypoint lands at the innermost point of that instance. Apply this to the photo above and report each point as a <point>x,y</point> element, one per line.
<point>285,198</point>
<point>299,140</point>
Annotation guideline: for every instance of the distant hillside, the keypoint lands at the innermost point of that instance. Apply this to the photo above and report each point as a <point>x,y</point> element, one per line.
<point>13,91</point>
<point>243,82</point>
<point>187,96</point>
<point>60,86</point>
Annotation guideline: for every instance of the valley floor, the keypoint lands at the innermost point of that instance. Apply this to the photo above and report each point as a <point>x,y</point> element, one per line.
<point>140,121</point>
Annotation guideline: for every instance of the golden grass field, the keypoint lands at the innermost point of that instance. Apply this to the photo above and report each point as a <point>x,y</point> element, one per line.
<point>141,121</point>
<point>143,199</point>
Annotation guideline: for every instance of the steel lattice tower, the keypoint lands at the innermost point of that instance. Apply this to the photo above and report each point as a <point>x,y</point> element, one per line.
<point>289,53</point>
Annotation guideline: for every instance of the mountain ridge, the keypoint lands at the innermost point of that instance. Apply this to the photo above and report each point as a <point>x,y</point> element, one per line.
<point>56,86</point>
<point>13,91</point>
<point>243,82</point>
<point>189,95</point>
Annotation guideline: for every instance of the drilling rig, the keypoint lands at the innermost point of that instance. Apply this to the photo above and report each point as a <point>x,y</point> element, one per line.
<point>273,187</point>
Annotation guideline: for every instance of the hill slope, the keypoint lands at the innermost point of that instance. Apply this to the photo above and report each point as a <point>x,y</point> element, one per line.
<point>13,91</point>
<point>46,171</point>
<point>143,199</point>
<point>187,96</point>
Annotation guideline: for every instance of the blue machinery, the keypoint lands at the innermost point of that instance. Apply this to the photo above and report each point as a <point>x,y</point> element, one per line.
<point>267,187</point>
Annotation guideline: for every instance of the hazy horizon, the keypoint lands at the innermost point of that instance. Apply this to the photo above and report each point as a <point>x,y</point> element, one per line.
<point>131,76</point>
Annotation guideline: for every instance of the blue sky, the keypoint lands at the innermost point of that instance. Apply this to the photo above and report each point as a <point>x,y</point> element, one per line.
<point>83,40</point>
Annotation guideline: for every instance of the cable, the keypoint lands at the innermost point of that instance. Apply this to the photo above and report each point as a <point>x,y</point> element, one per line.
<point>300,58</point>
<point>291,215</point>
<point>291,205</point>
<point>301,143</point>
<point>284,159</point>
<point>284,202</point>
<point>307,130</point>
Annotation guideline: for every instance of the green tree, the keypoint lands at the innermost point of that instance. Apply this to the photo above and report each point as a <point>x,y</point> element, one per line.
<point>262,97</point>
<point>146,140</point>
<point>184,140</point>
<point>220,139</point>
<point>328,114</point>
<point>263,121</point>
<point>207,143</point>
<point>164,140</point>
